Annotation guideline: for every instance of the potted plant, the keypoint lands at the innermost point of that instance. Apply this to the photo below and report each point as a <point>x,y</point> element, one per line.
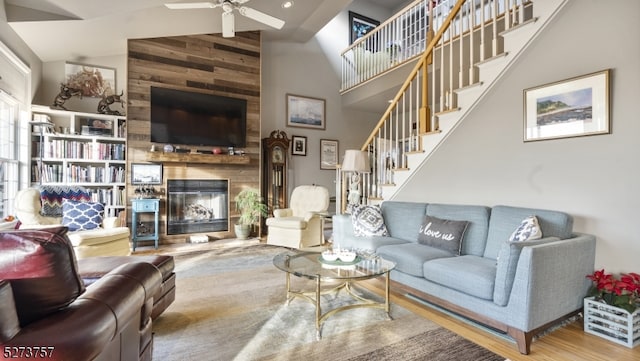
<point>623,292</point>
<point>612,310</point>
<point>251,208</point>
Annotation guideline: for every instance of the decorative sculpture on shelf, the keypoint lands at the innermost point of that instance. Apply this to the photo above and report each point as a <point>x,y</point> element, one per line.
<point>107,100</point>
<point>66,92</point>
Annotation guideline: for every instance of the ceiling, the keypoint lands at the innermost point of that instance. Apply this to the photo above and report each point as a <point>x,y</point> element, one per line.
<point>61,30</point>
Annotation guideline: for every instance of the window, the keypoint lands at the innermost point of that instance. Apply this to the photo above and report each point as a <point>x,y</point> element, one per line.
<point>15,92</point>
<point>9,163</point>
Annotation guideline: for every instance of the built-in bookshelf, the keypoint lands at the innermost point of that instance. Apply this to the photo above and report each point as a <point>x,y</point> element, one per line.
<point>83,149</point>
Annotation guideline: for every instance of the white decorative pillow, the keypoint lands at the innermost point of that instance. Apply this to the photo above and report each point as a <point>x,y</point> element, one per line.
<point>368,221</point>
<point>528,230</point>
<point>80,216</point>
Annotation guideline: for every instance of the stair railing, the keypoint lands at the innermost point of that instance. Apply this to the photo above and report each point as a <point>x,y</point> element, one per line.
<point>466,33</point>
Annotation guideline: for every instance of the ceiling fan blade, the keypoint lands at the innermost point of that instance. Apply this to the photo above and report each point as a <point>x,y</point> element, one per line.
<point>261,17</point>
<point>201,5</point>
<point>228,25</point>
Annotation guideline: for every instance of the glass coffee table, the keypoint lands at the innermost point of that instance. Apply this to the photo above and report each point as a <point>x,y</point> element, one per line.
<point>341,275</point>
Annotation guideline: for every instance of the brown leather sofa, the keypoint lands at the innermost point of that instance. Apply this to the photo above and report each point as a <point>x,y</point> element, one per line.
<point>46,309</point>
<point>93,268</point>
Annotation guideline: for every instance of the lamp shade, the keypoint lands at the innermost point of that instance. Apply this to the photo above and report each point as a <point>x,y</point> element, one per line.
<point>356,161</point>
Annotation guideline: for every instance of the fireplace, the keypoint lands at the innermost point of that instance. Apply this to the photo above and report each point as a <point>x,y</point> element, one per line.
<point>197,206</point>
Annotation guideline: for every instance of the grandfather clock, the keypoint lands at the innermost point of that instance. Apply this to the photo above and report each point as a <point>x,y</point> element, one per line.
<point>275,150</point>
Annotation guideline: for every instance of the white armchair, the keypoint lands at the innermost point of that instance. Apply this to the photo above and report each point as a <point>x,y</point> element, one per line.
<point>107,240</point>
<point>301,224</point>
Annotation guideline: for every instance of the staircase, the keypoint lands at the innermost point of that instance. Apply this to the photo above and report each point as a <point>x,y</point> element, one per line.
<point>468,48</point>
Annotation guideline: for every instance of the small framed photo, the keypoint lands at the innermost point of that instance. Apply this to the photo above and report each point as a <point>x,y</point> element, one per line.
<point>360,25</point>
<point>146,173</point>
<point>569,108</point>
<point>305,112</point>
<point>299,145</point>
<point>92,81</point>
<point>328,154</point>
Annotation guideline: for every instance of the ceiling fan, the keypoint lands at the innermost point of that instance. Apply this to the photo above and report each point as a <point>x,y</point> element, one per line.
<point>228,23</point>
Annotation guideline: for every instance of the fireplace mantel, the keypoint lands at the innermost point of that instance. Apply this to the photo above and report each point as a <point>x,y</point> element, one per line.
<point>197,158</point>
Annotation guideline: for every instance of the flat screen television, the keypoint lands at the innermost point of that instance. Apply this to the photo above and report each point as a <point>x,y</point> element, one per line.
<point>190,118</point>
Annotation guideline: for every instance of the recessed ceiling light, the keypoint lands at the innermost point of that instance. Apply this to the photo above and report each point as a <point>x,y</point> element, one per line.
<point>287,4</point>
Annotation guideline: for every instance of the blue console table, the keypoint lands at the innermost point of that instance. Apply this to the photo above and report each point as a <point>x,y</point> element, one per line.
<point>145,205</point>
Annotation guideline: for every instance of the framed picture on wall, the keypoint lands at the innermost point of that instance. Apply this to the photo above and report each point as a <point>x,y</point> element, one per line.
<point>298,145</point>
<point>359,26</point>
<point>568,108</point>
<point>145,173</point>
<point>305,112</point>
<point>328,154</point>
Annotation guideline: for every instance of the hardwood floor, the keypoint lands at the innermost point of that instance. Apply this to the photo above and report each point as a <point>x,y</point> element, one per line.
<point>569,343</point>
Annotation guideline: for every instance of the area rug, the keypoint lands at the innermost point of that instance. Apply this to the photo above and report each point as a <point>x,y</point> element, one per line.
<point>230,305</point>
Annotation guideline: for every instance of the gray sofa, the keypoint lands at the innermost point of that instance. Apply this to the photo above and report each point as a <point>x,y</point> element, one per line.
<point>530,286</point>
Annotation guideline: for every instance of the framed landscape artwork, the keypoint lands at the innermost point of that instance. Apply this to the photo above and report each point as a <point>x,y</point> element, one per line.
<point>299,145</point>
<point>305,112</point>
<point>360,25</point>
<point>569,108</point>
<point>143,173</point>
<point>92,81</point>
<point>328,154</point>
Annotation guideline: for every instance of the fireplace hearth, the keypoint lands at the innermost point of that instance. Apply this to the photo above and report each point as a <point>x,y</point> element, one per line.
<point>197,206</point>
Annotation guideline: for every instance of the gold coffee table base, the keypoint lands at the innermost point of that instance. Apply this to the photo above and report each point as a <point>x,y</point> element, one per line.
<point>314,298</point>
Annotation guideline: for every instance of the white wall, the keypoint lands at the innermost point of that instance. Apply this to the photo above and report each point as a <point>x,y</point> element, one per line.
<point>594,178</point>
<point>20,49</point>
<point>313,69</point>
<point>53,73</point>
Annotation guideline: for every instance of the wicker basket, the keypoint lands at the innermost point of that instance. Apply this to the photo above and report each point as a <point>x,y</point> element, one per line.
<point>612,323</point>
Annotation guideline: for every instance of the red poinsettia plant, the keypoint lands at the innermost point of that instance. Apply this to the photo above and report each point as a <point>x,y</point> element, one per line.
<point>623,292</point>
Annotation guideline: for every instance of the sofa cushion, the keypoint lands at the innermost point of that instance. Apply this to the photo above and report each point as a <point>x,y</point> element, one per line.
<point>397,215</point>
<point>368,221</point>
<point>472,275</point>
<point>505,219</point>
<point>371,243</point>
<point>410,257</point>
<point>51,198</point>
<point>475,236</point>
<point>287,222</point>
<point>444,234</point>
<point>507,265</point>
<point>42,269</point>
<point>81,216</point>
<point>528,230</point>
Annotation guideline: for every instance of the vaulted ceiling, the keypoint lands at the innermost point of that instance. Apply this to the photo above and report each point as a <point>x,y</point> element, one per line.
<point>76,29</point>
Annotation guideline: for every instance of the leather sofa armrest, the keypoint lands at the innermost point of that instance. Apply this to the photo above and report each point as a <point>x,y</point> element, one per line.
<point>78,332</point>
<point>143,274</point>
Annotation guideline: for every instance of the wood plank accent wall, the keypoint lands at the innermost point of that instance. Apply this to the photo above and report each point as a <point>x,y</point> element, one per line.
<point>200,63</point>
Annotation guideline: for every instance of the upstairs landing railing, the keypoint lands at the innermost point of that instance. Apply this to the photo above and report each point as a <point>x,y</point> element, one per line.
<point>462,34</point>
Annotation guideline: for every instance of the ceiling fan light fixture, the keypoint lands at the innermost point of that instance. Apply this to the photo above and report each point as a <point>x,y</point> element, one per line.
<point>227,7</point>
